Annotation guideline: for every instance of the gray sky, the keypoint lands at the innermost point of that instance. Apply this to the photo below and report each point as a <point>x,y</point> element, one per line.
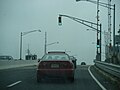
<point>18,16</point>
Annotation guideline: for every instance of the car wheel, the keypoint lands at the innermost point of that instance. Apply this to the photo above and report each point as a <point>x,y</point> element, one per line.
<point>38,79</point>
<point>71,79</point>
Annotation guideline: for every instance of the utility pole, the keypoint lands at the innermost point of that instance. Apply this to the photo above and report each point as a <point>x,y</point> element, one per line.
<point>45,43</point>
<point>21,46</point>
<point>114,56</point>
<point>100,42</point>
<point>28,50</point>
<point>97,23</point>
<point>98,35</point>
<point>109,20</point>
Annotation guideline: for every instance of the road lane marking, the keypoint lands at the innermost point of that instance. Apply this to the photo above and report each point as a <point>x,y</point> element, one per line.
<point>13,84</point>
<point>102,87</point>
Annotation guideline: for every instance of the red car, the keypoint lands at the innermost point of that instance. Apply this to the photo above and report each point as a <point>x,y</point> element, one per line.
<point>55,65</point>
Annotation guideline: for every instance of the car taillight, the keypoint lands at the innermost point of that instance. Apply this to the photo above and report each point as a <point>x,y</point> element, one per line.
<point>67,65</point>
<point>42,65</point>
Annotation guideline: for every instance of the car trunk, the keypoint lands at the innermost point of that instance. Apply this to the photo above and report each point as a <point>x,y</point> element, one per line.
<point>55,64</point>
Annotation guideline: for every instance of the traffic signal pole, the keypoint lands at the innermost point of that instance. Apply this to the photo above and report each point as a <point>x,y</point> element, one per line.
<point>88,24</point>
<point>100,42</point>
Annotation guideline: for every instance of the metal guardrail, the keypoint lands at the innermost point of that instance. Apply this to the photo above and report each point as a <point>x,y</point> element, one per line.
<point>109,68</point>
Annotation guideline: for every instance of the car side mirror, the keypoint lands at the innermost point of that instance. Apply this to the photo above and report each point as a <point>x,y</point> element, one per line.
<point>39,60</point>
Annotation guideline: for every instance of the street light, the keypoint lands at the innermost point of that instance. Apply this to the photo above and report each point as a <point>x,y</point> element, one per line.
<point>67,51</point>
<point>45,47</point>
<point>49,45</point>
<point>22,34</point>
<point>97,2</point>
<point>86,23</point>
<point>113,8</point>
<point>52,43</point>
<point>96,43</point>
<point>102,32</point>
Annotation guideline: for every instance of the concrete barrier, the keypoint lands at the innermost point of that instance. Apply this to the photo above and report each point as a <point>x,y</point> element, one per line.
<point>6,64</point>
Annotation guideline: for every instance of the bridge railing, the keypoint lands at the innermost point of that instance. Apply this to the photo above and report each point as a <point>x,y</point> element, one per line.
<point>109,68</point>
<point>6,64</point>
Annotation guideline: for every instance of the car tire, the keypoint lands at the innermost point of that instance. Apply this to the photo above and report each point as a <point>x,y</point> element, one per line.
<point>38,79</point>
<point>71,79</point>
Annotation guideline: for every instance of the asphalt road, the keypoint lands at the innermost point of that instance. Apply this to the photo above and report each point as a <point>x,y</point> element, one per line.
<point>24,78</point>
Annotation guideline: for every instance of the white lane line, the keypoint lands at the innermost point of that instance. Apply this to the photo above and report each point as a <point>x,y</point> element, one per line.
<point>14,83</point>
<point>102,87</point>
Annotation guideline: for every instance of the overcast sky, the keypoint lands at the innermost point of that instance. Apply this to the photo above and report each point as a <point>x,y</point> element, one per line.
<point>18,16</point>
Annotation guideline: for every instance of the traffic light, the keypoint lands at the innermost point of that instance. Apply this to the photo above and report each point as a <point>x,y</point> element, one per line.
<point>60,20</point>
<point>98,43</point>
<point>77,0</point>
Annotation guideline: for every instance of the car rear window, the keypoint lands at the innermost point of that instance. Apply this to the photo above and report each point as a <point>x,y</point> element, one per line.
<point>55,57</point>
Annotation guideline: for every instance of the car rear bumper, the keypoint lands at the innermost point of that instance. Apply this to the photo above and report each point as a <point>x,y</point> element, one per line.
<point>52,73</point>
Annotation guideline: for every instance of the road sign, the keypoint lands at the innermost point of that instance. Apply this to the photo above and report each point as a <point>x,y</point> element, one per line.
<point>117,39</point>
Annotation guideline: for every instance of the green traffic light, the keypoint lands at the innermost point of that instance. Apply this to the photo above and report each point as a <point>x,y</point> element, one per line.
<point>59,21</point>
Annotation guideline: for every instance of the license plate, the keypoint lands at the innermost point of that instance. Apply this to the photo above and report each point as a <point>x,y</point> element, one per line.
<point>54,65</point>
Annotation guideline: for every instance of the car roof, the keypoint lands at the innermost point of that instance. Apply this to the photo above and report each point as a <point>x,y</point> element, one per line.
<point>56,52</point>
